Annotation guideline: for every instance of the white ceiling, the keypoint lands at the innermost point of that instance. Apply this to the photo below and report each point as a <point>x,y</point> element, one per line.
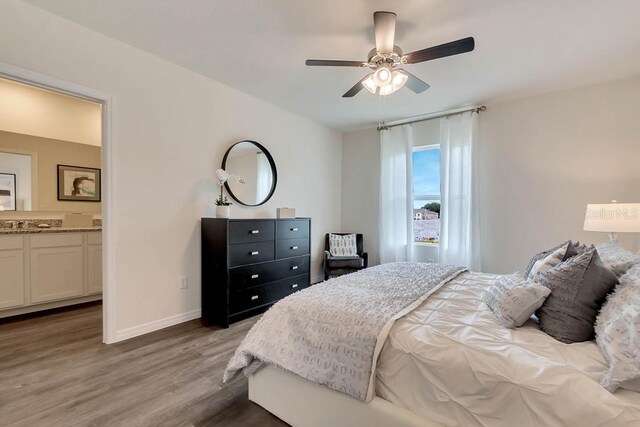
<point>523,47</point>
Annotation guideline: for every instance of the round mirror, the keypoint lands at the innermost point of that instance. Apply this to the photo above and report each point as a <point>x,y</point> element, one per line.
<point>256,172</point>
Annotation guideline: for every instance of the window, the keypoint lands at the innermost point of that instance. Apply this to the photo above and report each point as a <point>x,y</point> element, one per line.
<point>426,194</point>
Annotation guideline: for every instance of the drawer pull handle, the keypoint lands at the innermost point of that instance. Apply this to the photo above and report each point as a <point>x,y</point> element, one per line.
<point>255,231</point>
<point>294,229</point>
<point>254,297</point>
<point>255,276</point>
<point>294,248</point>
<point>295,267</point>
<point>255,253</point>
<point>295,285</point>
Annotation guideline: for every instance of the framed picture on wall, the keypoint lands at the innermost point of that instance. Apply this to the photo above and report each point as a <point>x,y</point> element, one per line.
<point>78,184</point>
<point>7,191</point>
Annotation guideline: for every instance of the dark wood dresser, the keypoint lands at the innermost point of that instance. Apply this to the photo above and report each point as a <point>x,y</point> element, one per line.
<point>249,264</point>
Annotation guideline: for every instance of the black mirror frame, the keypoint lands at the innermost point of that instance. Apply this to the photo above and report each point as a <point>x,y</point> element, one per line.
<point>272,163</point>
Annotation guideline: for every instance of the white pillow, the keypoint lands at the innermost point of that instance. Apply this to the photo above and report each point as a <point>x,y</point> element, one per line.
<point>343,245</point>
<point>631,277</point>
<point>513,299</point>
<point>550,261</point>
<point>616,258</point>
<point>618,334</point>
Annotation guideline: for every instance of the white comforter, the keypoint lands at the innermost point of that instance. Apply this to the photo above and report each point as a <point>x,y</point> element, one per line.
<point>450,361</point>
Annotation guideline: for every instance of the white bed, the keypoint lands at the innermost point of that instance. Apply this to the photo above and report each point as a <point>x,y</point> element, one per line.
<point>449,362</point>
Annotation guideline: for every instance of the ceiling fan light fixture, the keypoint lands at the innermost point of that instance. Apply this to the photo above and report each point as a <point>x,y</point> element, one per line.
<point>398,79</point>
<point>370,84</point>
<point>382,76</point>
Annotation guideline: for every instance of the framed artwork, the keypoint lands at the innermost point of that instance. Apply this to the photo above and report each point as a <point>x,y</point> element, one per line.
<point>78,184</point>
<point>7,191</point>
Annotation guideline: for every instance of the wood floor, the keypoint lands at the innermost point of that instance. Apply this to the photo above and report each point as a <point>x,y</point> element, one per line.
<point>54,371</point>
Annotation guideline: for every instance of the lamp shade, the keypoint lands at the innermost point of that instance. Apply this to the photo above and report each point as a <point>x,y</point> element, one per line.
<point>613,217</point>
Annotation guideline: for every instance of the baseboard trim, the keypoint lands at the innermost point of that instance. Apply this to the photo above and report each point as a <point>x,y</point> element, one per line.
<point>156,325</point>
<point>317,279</point>
<point>48,305</point>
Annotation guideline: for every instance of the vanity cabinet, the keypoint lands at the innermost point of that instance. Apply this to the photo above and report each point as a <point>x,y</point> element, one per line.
<point>42,271</point>
<point>94,263</point>
<point>248,265</point>
<point>11,272</point>
<point>56,267</point>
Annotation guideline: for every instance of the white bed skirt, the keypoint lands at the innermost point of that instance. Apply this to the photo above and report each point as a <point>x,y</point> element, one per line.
<point>304,404</point>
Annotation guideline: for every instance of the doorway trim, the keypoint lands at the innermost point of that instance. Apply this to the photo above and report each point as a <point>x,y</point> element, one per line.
<point>33,78</point>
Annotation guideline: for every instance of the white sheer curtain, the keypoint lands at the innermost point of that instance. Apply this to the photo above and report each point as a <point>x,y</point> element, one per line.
<point>460,221</point>
<point>396,195</point>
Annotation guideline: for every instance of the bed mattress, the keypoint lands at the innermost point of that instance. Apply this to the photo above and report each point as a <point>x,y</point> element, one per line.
<point>450,361</point>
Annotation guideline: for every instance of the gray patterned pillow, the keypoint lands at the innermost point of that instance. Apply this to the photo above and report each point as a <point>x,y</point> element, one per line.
<point>537,257</point>
<point>514,300</point>
<point>342,245</point>
<point>618,338</point>
<point>579,287</point>
<point>617,258</point>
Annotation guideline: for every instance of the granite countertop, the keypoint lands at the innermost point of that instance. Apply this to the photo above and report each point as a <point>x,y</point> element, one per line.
<point>33,230</point>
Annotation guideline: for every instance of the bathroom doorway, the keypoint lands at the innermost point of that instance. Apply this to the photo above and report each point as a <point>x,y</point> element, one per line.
<point>54,199</point>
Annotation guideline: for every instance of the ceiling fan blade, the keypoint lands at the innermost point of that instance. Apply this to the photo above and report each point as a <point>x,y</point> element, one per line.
<point>332,63</point>
<point>356,88</point>
<point>414,83</point>
<point>384,24</point>
<point>440,51</point>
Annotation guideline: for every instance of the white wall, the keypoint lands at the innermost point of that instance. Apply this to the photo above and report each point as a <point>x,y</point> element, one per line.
<point>544,158</point>
<point>170,129</point>
<point>361,188</point>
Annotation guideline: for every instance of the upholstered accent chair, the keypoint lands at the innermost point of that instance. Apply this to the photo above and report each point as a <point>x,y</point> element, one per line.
<point>338,265</point>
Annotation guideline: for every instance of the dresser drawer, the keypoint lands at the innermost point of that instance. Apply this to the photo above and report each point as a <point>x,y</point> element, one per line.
<point>293,229</point>
<point>250,253</point>
<point>267,294</point>
<point>291,247</point>
<point>251,231</point>
<point>258,274</point>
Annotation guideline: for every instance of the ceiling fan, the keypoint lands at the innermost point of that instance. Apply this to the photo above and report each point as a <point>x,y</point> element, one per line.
<point>386,58</point>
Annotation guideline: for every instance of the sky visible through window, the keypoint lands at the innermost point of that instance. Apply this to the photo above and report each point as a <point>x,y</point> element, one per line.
<point>426,174</point>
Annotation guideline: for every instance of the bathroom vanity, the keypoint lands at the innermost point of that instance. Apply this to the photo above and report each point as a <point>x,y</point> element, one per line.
<point>49,268</point>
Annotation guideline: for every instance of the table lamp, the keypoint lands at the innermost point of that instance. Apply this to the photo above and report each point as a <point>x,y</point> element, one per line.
<point>613,218</point>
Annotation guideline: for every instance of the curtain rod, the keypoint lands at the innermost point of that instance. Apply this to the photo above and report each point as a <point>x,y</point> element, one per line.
<point>475,109</point>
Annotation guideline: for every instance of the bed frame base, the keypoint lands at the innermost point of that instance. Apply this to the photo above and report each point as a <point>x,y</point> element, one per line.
<point>304,404</point>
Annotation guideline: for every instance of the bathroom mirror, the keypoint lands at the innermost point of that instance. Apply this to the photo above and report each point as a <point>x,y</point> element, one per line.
<point>16,182</point>
<point>253,164</point>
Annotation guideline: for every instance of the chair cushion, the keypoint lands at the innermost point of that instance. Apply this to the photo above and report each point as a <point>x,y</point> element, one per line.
<point>346,262</point>
<point>343,245</point>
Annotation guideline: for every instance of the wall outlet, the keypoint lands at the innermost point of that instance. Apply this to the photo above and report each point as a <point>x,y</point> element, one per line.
<point>184,282</point>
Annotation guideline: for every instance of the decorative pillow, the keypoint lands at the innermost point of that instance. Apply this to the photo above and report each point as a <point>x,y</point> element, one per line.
<point>514,300</point>
<point>618,338</point>
<point>537,257</point>
<point>550,261</point>
<point>579,287</point>
<point>617,258</point>
<point>342,245</point>
<point>631,277</point>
